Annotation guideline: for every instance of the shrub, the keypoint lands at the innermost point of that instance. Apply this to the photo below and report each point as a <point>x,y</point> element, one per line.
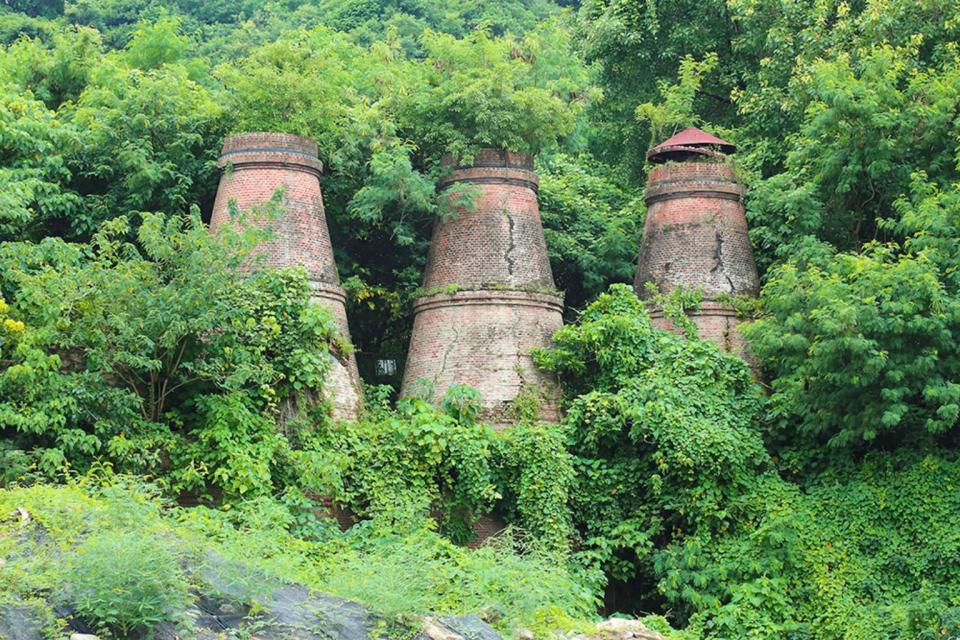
<point>661,430</point>
<point>126,583</point>
<point>161,356</point>
<point>405,465</point>
<point>508,580</point>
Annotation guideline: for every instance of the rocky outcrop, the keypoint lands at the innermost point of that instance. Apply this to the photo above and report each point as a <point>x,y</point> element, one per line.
<point>622,629</point>
<point>20,621</point>
<point>256,608</point>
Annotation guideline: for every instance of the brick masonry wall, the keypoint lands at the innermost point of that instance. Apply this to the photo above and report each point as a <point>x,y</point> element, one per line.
<point>255,166</point>
<point>483,339</point>
<point>498,241</point>
<point>486,526</point>
<point>695,235</point>
<point>482,336</point>
<point>342,387</point>
<point>715,322</point>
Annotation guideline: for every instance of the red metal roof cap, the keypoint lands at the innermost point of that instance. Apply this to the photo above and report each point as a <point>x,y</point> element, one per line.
<point>688,140</point>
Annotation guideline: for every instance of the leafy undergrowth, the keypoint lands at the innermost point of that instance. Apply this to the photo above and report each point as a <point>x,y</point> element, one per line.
<point>125,562</point>
<point>867,550</point>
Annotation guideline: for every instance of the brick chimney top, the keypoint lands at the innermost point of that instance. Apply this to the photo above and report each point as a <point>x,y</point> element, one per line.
<point>492,166</point>
<point>690,144</point>
<point>259,148</point>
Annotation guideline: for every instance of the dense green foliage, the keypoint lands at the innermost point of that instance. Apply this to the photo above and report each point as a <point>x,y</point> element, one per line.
<point>819,502</point>
<point>675,492</point>
<point>91,133</point>
<point>416,572</point>
<point>158,359</point>
<point>662,431</point>
<point>150,589</point>
<point>866,550</point>
<point>409,467</point>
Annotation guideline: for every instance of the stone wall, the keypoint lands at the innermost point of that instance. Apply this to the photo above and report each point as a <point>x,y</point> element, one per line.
<point>255,166</point>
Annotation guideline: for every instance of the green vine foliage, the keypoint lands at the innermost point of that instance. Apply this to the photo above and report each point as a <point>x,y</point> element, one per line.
<point>406,465</point>
<point>536,474</point>
<point>675,493</point>
<point>661,429</point>
<point>419,466</point>
<point>815,563</point>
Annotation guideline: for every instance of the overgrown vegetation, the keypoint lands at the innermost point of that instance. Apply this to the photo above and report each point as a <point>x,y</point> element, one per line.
<point>676,495</point>
<point>819,502</point>
<point>162,358</point>
<point>150,589</point>
<point>171,556</point>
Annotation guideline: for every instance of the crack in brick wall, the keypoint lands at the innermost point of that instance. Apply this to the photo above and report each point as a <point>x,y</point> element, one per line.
<point>511,243</point>
<point>719,266</point>
<point>696,237</point>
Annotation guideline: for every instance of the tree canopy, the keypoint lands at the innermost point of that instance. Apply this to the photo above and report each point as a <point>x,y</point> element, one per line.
<point>816,499</point>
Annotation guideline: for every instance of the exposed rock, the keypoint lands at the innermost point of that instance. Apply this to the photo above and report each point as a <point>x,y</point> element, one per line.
<point>20,622</point>
<point>470,627</point>
<point>435,631</point>
<point>283,611</point>
<point>236,601</point>
<point>296,613</point>
<point>624,629</point>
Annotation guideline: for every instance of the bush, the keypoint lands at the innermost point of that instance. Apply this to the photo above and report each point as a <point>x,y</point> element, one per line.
<point>404,466</point>
<point>860,349</point>
<point>661,429</point>
<point>126,583</point>
<point>161,356</point>
<point>423,573</point>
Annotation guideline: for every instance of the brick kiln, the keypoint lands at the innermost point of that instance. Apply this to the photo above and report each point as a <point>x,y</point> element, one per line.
<point>489,292</point>
<point>695,235</point>
<point>255,166</point>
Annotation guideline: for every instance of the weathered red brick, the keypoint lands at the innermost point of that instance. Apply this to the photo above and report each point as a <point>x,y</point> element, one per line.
<point>484,339</point>
<point>695,236</point>
<point>500,304</point>
<point>256,165</point>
